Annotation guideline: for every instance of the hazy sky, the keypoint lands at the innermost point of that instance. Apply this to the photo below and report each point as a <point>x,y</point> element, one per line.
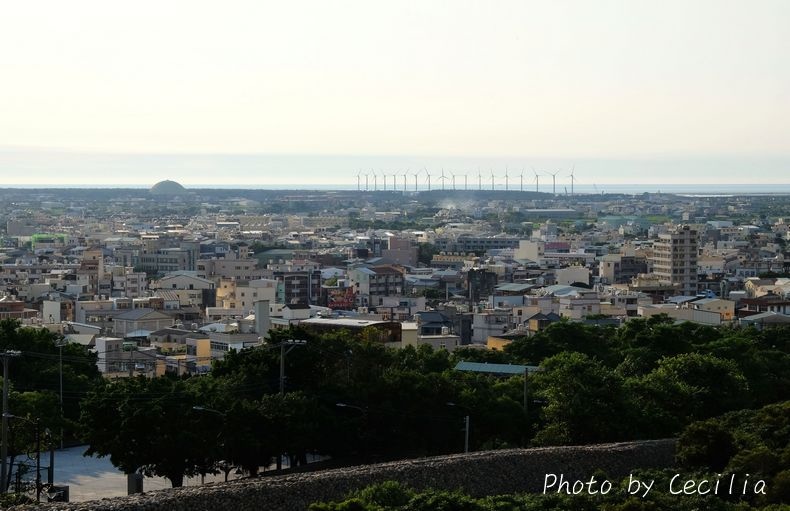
<point>700,89</point>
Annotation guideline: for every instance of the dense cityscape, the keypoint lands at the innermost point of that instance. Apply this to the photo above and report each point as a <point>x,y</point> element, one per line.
<point>332,328</point>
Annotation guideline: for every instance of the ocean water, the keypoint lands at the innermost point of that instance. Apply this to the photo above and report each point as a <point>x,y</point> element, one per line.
<point>624,188</point>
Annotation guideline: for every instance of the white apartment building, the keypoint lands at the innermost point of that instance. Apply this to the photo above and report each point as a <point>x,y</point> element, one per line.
<point>675,258</point>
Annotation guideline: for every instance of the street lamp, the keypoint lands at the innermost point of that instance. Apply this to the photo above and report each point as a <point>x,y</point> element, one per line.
<point>293,343</point>
<point>365,433</point>
<point>466,425</point>
<point>345,405</point>
<point>222,464</point>
<point>209,410</point>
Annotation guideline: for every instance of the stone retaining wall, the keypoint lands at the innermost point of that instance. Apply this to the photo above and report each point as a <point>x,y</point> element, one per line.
<point>479,474</point>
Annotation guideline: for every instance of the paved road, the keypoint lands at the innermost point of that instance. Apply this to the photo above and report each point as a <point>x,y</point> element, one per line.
<point>91,478</point>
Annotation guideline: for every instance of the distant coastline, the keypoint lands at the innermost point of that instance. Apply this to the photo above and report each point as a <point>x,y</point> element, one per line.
<point>579,189</point>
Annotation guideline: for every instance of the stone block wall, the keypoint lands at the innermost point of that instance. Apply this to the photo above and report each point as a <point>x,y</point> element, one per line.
<point>478,473</point>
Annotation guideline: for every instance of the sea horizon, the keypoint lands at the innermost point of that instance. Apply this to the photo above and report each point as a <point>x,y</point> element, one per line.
<point>703,189</point>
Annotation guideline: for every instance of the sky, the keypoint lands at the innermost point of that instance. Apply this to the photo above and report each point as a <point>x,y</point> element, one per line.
<point>266,92</point>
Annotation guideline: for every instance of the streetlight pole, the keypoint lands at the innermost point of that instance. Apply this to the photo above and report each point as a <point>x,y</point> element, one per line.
<point>225,465</point>
<point>466,433</point>
<point>365,424</point>
<point>467,420</point>
<point>293,343</point>
<point>7,355</point>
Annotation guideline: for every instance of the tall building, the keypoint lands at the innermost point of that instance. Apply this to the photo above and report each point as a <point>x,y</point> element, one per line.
<point>675,259</point>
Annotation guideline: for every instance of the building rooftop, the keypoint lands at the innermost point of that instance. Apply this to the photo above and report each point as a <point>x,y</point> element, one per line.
<point>485,367</point>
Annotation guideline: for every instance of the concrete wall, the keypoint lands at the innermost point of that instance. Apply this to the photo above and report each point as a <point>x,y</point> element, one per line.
<point>479,474</point>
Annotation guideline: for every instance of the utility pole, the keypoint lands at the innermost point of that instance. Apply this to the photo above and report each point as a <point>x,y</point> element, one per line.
<point>60,343</point>
<point>293,343</point>
<point>4,448</point>
<point>131,347</point>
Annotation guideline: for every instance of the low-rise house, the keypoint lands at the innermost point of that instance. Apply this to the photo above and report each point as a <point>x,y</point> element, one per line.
<point>141,319</point>
<point>118,358</point>
<point>490,322</point>
<point>766,320</point>
<point>726,308</point>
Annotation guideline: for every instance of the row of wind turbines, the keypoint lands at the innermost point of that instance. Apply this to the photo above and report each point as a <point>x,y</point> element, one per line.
<point>373,177</point>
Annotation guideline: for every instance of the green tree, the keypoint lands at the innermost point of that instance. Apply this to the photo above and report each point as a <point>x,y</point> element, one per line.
<point>685,388</point>
<point>425,252</point>
<point>593,341</point>
<point>584,401</point>
<point>38,367</point>
<point>147,425</point>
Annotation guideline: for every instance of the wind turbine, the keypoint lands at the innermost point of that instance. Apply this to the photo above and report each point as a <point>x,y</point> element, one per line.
<point>521,180</point>
<point>415,180</point>
<point>479,179</point>
<point>429,179</point>
<point>537,178</point>
<point>384,177</point>
<point>466,183</point>
<point>553,181</point>
<point>359,176</point>
<point>404,180</point>
<point>394,184</point>
<point>506,180</point>
<point>442,178</point>
<point>453,178</point>
<point>366,181</point>
<point>573,178</point>
<point>375,180</point>
<point>492,180</point>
